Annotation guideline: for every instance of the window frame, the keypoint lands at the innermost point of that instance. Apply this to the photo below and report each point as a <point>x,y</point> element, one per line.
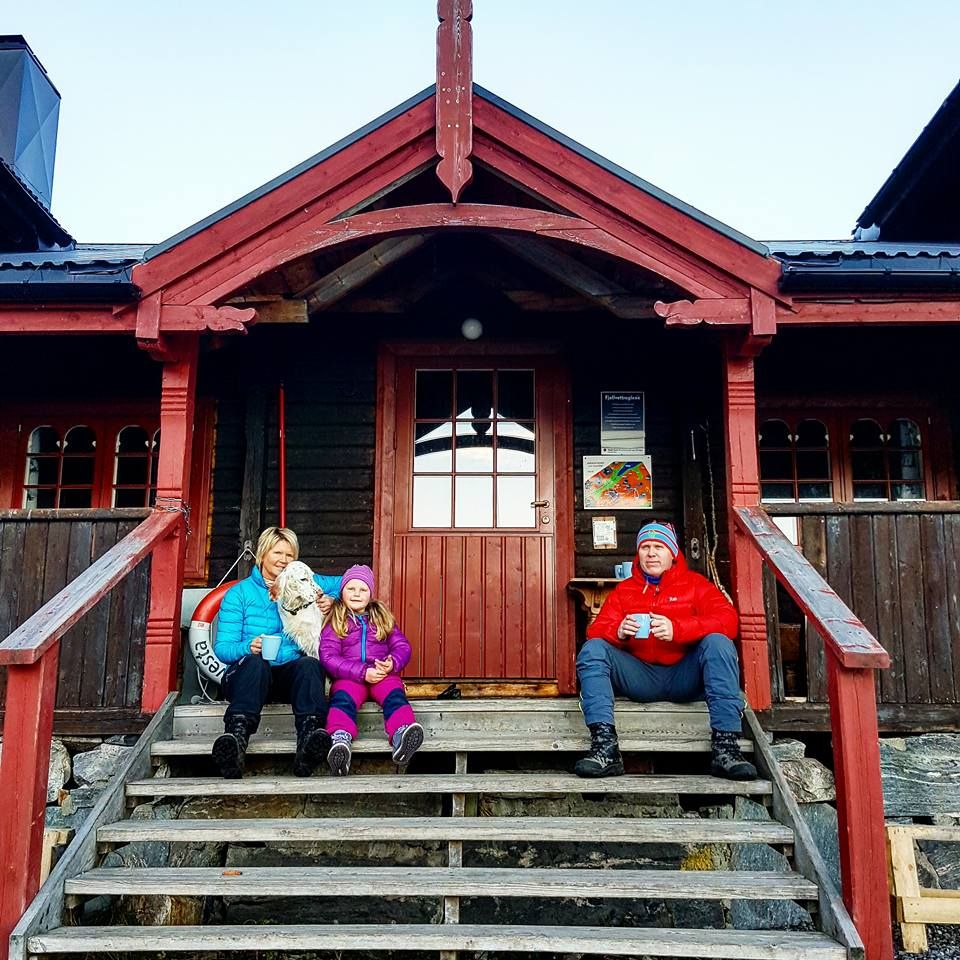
<point>839,414</point>
<point>17,424</point>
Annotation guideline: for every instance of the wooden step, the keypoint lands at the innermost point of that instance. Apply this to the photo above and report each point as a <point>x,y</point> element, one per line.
<point>568,829</point>
<point>481,741</point>
<point>515,784</point>
<point>549,718</point>
<point>443,881</point>
<point>608,941</point>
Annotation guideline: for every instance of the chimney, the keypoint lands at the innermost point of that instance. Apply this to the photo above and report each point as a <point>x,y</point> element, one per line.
<point>29,111</point>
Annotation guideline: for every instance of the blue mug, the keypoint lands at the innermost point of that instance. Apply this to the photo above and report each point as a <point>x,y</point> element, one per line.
<point>622,571</point>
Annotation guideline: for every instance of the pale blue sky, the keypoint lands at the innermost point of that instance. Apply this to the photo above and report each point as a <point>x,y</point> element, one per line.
<point>779,119</point>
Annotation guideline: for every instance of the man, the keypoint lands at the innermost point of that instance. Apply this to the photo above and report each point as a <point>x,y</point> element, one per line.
<point>663,634</point>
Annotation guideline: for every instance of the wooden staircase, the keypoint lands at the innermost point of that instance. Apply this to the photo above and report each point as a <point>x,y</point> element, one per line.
<point>475,752</point>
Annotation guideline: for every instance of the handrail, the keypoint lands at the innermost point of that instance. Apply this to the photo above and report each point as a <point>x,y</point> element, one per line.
<point>853,654</point>
<point>843,633</point>
<point>811,508</point>
<point>31,640</point>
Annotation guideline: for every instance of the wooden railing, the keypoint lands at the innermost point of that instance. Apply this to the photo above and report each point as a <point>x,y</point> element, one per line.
<point>31,655</point>
<point>852,655</point>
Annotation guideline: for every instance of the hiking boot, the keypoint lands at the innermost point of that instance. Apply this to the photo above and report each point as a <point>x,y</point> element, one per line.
<point>313,744</point>
<point>727,760</point>
<point>230,748</point>
<point>406,741</point>
<point>338,757</point>
<point>604,758</point>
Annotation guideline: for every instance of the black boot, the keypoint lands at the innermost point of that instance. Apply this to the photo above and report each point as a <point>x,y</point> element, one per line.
<point>313,743</point>
<point>230,748</point>
<point>604,758</point>
<point>728,762</point>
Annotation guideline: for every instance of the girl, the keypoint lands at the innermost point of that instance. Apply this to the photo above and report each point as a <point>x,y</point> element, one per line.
<point>363,650</point>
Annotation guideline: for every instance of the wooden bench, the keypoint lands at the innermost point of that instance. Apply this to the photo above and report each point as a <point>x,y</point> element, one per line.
<point>917,906</point>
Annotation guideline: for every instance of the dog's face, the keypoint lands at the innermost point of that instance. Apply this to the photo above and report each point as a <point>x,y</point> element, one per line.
<point>296,586</point>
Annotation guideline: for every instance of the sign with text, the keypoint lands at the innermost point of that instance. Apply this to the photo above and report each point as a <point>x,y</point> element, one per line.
<point>617,484</point>
<point>622,423</point>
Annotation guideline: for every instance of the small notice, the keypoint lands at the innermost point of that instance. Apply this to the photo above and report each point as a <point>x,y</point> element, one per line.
<point>622,424</point>
<point>617,484</point>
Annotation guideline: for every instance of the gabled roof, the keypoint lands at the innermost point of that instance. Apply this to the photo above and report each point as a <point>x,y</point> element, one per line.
<point>920,200</point>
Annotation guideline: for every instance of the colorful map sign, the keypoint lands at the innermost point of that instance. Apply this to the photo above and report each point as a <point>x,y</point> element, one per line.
<point>617,484</point>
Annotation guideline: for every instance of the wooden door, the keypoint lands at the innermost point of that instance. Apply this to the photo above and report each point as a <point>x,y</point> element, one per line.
<point>473,514</point>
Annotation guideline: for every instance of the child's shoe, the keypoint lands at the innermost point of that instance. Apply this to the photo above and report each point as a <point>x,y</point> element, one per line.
<point>339,754</point>
<point>406,741</point>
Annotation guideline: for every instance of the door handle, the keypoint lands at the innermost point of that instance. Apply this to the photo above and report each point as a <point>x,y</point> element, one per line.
<point>540,503</point>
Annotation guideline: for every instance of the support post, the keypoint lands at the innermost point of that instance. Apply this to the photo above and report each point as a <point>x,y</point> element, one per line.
<point>27,732</point>
<point>860,823</point>
<point>177,398</point>
<point>743,490</point>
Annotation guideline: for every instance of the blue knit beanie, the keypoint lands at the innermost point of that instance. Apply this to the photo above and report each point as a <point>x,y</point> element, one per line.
<point>662,532</point>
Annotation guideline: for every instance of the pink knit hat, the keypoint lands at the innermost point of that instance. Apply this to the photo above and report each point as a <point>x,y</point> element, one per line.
<point>359,572</point>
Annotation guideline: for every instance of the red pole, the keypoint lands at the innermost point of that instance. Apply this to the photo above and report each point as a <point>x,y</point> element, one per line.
<point>282,446</point>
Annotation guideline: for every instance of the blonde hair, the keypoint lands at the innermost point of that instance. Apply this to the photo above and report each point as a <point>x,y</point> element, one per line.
<point>381,619</point>
<point>271,537</point>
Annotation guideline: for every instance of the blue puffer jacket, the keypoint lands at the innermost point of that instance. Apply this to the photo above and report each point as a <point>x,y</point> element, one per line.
<point>247,611</point>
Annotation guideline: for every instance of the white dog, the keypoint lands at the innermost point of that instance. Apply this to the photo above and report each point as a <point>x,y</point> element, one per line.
<point>297,595</point>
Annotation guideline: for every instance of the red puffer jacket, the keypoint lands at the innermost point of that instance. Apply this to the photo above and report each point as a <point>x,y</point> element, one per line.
<point>694,605</point>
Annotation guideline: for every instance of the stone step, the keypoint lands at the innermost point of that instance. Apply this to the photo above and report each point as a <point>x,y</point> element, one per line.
<point>567,829</point>
<point>444,741</point>
<point>427,938</point>
<point>514,784</point>
<point>549,718</point>
<point>442,882</point>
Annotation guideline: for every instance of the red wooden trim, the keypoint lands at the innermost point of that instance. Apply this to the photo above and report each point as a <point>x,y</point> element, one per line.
<point>27,731</point>
<point>312,189</point>
<point>201,493</point>
<point>860,819</point>
<point>177,401</point>
<point>63,319</point>
<point>650,250</point>
<point>743,488</point>
<point>844,635</point>
<point>722,311</point>
<point>849,312</point>
<point>583,175</point>
<point>385,467</point>
<point>454,97</point>
<point>31,640</point>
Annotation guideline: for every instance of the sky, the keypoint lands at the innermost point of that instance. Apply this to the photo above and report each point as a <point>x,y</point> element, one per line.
<point>779,119</point>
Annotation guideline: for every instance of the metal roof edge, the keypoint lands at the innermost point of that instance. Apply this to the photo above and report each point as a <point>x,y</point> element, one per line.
<point>755,245</point>
<point>290,174</point>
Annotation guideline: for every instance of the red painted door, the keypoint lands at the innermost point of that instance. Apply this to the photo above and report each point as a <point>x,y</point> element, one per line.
<point>472,557</point>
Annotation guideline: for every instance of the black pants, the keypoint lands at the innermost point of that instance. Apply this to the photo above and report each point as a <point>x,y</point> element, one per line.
<point>251,682</point>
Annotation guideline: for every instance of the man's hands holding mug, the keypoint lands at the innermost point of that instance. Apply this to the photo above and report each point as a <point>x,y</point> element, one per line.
<point>661,627</point>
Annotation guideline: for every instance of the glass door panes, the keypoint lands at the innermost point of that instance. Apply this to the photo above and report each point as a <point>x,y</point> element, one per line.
<point>474,456</point>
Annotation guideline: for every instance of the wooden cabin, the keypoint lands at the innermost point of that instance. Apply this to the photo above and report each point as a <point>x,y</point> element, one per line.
<point>406,364</point>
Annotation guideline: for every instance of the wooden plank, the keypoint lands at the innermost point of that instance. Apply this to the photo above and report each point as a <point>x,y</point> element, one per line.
<point>78,557</point>
<point>31,640</point>
<point>906,884</point>
<point>771,607</point>
<point>874,509</point>
<point>355,881</point>
<point>96,626</point>
<point>511,784</point>
<point>887,585</point>
<point>924,831</point>
<point>951,556</point>
<point>912,619</point>
<point>46,910</point>
<point>457,828</point>
<point>476,743</point>
<point>891,717</point>
<point>936,612</point>
<point>927,909</point>
<point>850,641</point>
<point>813,542</point>
<point>52,838</point>
<point>254,461</point>
<point>280,938</point>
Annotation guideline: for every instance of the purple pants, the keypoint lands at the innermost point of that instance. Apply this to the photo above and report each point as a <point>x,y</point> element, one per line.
<point>347,695</point>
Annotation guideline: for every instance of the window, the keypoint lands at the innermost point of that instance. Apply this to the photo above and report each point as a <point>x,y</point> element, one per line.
<point>57,459</point>
<point>852,454</point>
<point>474,455</point>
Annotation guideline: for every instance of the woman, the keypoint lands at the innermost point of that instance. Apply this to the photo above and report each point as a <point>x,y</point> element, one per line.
<point>247,614</point>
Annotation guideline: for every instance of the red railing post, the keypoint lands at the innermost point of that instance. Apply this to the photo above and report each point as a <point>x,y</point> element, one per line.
<point>27,731</point>
<point>743,490</point>
<point>177,397</point>
<point>860,820</point>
